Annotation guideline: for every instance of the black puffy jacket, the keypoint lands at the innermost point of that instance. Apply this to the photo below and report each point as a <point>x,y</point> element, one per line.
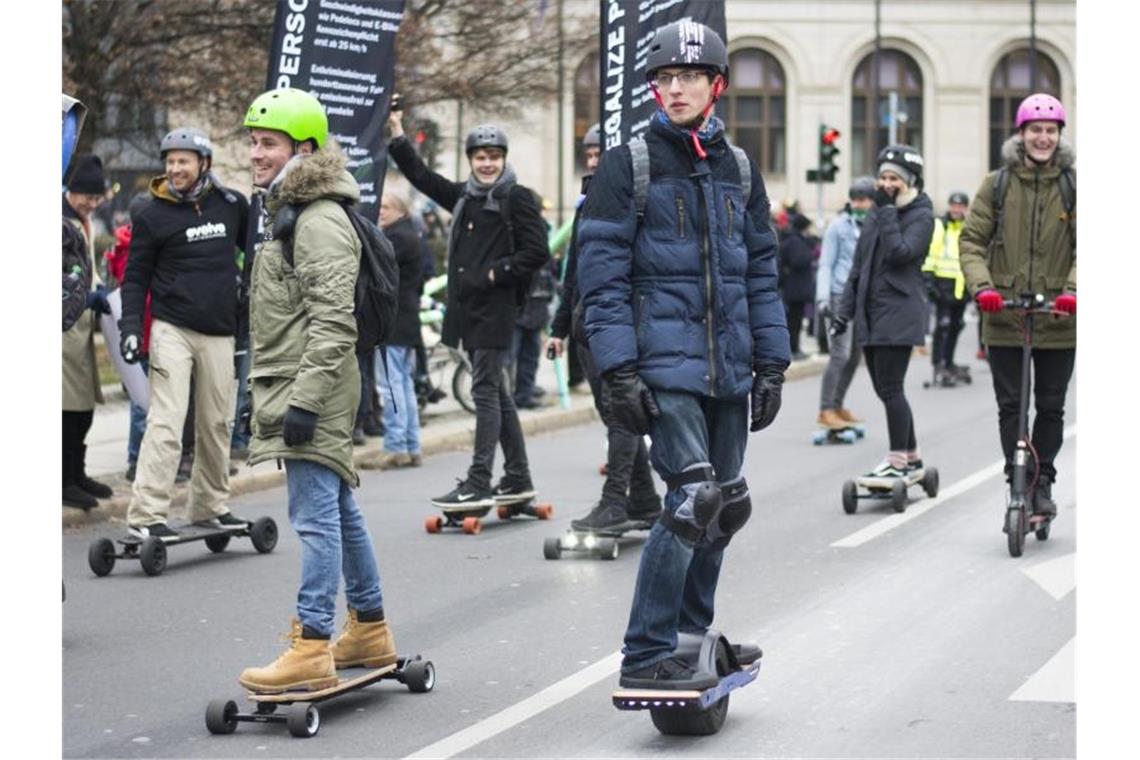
<point>406,242</point>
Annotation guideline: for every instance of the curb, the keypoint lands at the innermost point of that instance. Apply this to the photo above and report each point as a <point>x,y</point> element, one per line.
<point>550,419</point>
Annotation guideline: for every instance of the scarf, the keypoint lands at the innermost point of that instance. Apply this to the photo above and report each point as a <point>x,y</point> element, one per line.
<point>703,135</point>
<point>475,190</point>
<point>196,191</point>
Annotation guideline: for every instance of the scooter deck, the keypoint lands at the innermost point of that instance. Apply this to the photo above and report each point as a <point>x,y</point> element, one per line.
<point>656,699</point>
<point>344,684</point>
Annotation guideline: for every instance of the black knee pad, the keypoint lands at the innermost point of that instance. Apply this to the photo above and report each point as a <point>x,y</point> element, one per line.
<point>701,507</point>
<point>734,513</point>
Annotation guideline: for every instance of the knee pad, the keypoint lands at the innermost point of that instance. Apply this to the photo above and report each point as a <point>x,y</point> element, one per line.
<point>735,512</point>
<point>701,506</point>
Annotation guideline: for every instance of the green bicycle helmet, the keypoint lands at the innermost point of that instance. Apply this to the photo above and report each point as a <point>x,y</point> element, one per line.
<point>294,112</point>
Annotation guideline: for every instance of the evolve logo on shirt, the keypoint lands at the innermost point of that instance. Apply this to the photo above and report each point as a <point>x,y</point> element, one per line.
<point>207,231</point>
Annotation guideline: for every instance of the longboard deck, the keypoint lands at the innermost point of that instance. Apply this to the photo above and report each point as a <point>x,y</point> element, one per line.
<point>912,478</point>
<point>343,685</point>
<point>614,532</point>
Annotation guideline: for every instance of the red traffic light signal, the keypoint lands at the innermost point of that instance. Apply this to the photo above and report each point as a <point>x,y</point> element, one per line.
<point>830,135</point>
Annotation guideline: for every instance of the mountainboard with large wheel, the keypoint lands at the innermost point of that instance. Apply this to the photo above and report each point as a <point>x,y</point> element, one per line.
<point>298,709</point>
<point>469,519</point>
<point>889,488</point>
<point>696,713</point>
<point>151,551</point>
<point>592,543</point>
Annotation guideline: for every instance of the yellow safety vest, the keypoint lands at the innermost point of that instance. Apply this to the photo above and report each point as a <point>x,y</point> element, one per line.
<point>942,260</point>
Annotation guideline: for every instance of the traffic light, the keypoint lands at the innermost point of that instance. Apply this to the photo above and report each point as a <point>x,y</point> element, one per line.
<point>828,136</point>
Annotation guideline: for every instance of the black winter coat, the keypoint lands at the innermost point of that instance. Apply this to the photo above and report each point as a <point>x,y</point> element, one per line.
<point>481,314</point>
<point>797,281</point>
<point>185,254</point>
<point>406,242</point>
<point>885,295</point>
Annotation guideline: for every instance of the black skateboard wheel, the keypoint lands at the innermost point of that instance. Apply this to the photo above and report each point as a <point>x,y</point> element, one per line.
<point>152,556</point>
<point>419,675</point>
<point>850,497</point>
<point>898,496</point>
<point>552,548</point>
<point>220,716</point>
<point>101,556</point>
<point>217,543</point>
<point>930,482</point>
<point>303,720</point>
<point>263,535</point>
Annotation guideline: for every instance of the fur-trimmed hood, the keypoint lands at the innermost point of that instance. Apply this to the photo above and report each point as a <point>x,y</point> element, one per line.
<point>309,177</point>
<point>1013,153</point>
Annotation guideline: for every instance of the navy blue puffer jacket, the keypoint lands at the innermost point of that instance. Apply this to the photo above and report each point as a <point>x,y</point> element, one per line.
<point>689,295</point>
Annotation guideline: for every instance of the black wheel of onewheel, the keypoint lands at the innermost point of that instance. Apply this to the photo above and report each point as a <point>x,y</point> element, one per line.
<point>220,716</point>
<point>692,721</point>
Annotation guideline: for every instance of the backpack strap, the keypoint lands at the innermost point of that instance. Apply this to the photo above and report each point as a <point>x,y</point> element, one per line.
<point>1001,184</point>
<point>1068,190</point>
<point>745,168</point>
<point>639,157</point>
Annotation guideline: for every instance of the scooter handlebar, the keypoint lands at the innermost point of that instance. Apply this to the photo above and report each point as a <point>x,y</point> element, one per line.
<point>1034,302</point>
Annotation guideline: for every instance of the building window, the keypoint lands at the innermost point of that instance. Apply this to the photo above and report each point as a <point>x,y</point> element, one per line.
<point>870,127</point>
<point>754,108</point>
<point>1009,85</point>
<point>587,90</point>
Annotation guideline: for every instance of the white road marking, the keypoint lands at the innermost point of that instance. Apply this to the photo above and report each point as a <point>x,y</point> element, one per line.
<point>494,725</point>
<point>1055,681</point>
<point>876,529</point>
<point>1057,576</point>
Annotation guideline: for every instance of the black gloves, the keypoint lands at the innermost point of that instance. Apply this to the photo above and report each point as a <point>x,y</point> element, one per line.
<point>626,401</point>
<point>299,426</point>
<point>882,197</point>
<point>767,385</point>
<point>97,300</point>
<point>838,327</point>
<point>130,340</point>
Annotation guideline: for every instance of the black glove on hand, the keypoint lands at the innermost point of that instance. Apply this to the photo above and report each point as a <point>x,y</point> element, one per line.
<point>130,341</point>
<point>767,385</point>
<point>627,401</point>
<point>97,300</point>
<point>882,197</point>
<point>299,426</point>
<point>838,327</point>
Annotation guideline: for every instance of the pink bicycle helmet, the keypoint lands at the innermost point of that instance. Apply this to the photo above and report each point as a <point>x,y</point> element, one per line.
<point>1040,107</point>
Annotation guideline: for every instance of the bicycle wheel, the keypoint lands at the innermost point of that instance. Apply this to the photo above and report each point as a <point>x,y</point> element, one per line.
<point>461,383</point>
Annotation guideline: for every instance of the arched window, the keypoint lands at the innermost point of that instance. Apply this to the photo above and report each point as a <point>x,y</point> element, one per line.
<point>1009,85</point>
<point>587,91</point>
<point>870,127</point>
<point>753,108</point>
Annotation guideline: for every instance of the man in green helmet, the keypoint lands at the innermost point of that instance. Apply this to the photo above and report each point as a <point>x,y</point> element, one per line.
<point>306,386</point>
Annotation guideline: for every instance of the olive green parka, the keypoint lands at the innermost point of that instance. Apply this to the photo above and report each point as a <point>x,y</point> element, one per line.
<point>302,329</point>
<point>1037,251</point>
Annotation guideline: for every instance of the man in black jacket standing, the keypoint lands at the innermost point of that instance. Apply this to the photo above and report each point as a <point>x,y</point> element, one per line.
<point>498,240</point>
<point>184,248</point>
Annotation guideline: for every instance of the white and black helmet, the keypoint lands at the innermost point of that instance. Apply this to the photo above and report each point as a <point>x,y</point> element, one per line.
<point>593,137</point>
<point>187,138</point>
<point>486,136</point>
<point>686,43</point>
<point>905,157</point>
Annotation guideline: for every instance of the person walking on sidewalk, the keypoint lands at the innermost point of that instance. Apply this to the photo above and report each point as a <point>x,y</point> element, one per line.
<point>685,324</point>
<point>1032,249</point>
<point>81,390</point>
<point>306,387</point>
<point>498,241</point>
<point>885,297</point>
<point>797,254</point>
<point>184,248</point>
<point>947,288</point>
<point>628,493</point>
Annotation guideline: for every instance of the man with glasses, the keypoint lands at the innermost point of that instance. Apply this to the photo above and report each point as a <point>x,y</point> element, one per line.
<point>685,323</point>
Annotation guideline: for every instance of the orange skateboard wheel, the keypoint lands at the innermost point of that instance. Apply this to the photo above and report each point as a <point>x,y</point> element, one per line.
<point>472,526</point>
<point>544,511</point>
<point>433,524</point>
<point>504,512</point>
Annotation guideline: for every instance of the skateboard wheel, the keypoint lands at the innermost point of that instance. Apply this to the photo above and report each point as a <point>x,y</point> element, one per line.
<point>552,548</point>
<point>818,438</point>
<point>472,526</point>
<point>152,556</point>
<point>930,482</point>
<point>101,556</point>
<point>544,511</point>
<point>433,524</point>
<point>503,511</point>
<point>898,496</point>
<point>263,534</point>
<point>303,720</point>
<point>220,716</point>
<point>217,544</point>
<point>850,497</point>
<point>847,436</point>
<point>607,548</point>
<point>419,675</point>
<point>602,470</point>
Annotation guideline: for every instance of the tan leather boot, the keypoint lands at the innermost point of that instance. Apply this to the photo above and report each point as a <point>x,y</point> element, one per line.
<point>307,665</point>
<point>829,418</point>
<point>847,416</point>
<point>369,644</point>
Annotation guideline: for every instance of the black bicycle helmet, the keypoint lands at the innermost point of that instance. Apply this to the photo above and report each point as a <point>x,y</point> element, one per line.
<point>486,136</point>
<point>686,43</point>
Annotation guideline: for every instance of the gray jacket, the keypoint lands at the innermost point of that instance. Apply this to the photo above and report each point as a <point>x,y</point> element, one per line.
<point>836,256</point>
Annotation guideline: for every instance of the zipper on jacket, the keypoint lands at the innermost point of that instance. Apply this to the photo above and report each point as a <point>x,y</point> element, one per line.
<point>730,206</point>
<point>680,216</point>
<point>709,306</point>
<point>1033,224</point>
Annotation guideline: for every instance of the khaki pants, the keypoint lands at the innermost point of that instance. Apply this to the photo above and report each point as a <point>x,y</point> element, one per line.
<point>175,354</point>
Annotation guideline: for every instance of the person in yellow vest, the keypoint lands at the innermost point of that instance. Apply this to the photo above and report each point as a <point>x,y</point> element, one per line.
<point>947,289</point>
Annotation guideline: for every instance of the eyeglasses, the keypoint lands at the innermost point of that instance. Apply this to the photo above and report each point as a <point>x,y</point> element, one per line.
<point>664,80</point>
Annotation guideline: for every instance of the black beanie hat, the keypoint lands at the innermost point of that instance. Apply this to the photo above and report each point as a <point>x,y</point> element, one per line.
<point>87,175</point>
<point>800,223</point>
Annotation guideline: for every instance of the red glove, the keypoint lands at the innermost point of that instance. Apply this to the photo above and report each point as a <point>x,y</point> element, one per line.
<point>989,300</point>
<point>1066,302</point>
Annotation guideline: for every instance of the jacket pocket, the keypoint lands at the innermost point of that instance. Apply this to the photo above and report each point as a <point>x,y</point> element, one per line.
<point>270,401</point>
<point>680,203</point>
<point>1004,283</point>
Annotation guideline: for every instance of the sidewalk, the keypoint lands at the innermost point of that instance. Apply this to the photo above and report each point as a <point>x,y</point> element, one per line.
<point>445,427</point>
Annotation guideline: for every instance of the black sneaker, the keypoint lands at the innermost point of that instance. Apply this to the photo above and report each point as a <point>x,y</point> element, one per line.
<point>358,438</point>
<point>672,673</point>
<point>228,521</point>
<point>601,518</point>
<point>74,496</point>
<point>463,495</point>
<point>507,491</point>
<point>158,530</point>
<point>914,466</point>
<point>94,487</point>
<point>648,510</point>
<point>1043,503</point>
<point>132,468</point>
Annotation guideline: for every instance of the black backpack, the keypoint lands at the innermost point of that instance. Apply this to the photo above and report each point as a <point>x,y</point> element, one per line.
<point>377,283</point>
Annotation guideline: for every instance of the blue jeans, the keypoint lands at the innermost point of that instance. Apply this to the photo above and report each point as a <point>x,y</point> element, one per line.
<point>676,581</point>
<point>334,541</point>
<point>138,425</point>
<point>402,417</point>
<point>240,439</point>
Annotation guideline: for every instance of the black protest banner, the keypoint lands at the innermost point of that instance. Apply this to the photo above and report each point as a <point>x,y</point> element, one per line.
<point>626,30</point>
<point>344,53</point>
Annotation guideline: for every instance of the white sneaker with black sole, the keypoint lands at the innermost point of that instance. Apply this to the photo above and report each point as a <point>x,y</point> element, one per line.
<point>464,496</point>
<point>158,530</point>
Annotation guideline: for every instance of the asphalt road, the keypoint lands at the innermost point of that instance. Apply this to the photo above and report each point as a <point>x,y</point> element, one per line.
<point>923,640</point>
